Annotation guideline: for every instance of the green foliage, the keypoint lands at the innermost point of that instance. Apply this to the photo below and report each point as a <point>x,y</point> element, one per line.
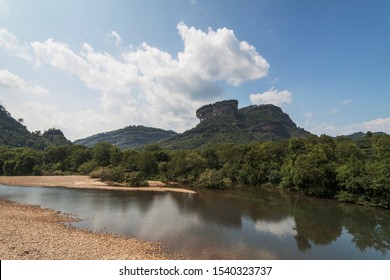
<point>212,178</point>
<point>223,123</point>
<point>128,137</point>
<point>8,168</point>
<point>340,168</point>
<point>14,134</point>
<point>102,153</point>
<point>135,179</point>
<point>87,167</point>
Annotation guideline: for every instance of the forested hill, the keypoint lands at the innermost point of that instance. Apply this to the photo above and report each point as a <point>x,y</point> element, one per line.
<point>14,134</point>
<point>128,137</point>
<point>223,122</point>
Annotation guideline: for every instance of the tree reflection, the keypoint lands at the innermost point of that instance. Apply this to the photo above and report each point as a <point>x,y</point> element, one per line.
<point>369,227</point>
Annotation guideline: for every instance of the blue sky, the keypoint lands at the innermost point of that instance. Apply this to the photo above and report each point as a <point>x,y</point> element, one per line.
<point>92,66</point>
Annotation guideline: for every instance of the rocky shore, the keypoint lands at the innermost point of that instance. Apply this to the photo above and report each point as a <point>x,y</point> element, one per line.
<point>33,233</point>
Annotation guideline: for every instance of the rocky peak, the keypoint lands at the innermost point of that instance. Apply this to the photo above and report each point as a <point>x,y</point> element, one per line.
<point>228,107</point>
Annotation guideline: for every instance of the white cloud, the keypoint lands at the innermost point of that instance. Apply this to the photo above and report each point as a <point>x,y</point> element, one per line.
<point>13,81</point>
<point>272,96</point>
<point>379,124</point>
<point>280,229</point>
<point>9,41</point>
<point>219,55</point>
<point>308,115</point>
<point>39,115</point>
<point>344,102</point>
<point>148,86</point>
<point>118,40</point>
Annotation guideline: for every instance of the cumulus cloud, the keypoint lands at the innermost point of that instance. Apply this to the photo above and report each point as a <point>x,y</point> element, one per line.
<point>379,124</point>
<point>272,96</point>
<point>42,116</point>
<point>146,85</point>
<point>9,41</point>
<point>12,81</point>
<point>219,55</point>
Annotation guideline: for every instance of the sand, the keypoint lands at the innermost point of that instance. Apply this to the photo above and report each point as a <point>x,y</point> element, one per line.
<point>83,182</point>
<point>31,232</point>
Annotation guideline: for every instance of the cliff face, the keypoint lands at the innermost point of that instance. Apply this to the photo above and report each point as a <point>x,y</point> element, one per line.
<point>223,122</point>
<point>226,108</point>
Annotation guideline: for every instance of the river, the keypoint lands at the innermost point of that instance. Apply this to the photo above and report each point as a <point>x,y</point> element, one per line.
<point>250,224</point>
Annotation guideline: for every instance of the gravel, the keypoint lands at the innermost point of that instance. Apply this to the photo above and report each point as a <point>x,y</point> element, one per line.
<point>33,233</point>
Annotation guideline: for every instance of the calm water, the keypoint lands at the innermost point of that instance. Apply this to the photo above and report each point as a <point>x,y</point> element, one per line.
<point>226,225</point>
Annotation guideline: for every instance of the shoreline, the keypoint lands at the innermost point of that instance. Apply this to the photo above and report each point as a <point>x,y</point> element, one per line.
<point>82,182</point>
<point>30,232</point>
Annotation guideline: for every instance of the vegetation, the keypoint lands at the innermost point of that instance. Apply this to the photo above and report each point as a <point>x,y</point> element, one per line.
<point>222,122</point>
<point>340,168</point>
<point>231,152</point>
<point>128,137</point>
<point>15,134</point>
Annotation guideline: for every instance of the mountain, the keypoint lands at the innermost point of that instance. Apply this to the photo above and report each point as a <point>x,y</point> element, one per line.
<point>360,135</point>
<point>14,134</point>
<point>128,137</point>
<point>223,122</point>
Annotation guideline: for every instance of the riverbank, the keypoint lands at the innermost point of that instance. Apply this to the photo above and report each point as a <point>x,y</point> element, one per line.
<point>83,182</point>
<point>33,233</point>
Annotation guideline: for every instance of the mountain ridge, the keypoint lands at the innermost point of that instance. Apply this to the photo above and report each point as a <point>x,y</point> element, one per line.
<point>128,137</point>
<point>224,122</point>
<point>14,134</point>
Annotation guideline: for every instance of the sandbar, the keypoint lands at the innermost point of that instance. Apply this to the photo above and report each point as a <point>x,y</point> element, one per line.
<point>82,182</point>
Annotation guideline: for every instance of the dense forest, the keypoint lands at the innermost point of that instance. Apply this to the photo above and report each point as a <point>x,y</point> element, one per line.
<point>14,134</point>
<point>340,168</point>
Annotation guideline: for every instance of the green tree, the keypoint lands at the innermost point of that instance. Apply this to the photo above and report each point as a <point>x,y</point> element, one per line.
<point>8,168</point>
<point>148,164</point>
<point>312,173</point>
<point>101,153</point>
<point>78,155</point>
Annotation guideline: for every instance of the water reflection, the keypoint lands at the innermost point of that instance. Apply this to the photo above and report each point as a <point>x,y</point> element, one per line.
<point>281,229</point>
<point>254,224</point>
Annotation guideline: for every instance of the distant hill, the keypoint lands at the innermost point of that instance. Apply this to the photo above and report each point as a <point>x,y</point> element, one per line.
<point>128,137</point>
<point>14,134</point>
<point>360,135</point>
<point>223,122</point>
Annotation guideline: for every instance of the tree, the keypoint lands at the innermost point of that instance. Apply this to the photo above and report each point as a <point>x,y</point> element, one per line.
<point>8,168</point>
<point>102,153</point>
<point>148,164</point>
<point>312,173</point>
<point>211,178</point>
<point>77,156</point>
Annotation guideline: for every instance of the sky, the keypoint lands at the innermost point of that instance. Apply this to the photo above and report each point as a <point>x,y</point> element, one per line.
<point>88,66</point>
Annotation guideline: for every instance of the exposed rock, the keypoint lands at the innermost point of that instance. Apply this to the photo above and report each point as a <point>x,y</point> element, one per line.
<point>223,122</point>
<point>228,108</point>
